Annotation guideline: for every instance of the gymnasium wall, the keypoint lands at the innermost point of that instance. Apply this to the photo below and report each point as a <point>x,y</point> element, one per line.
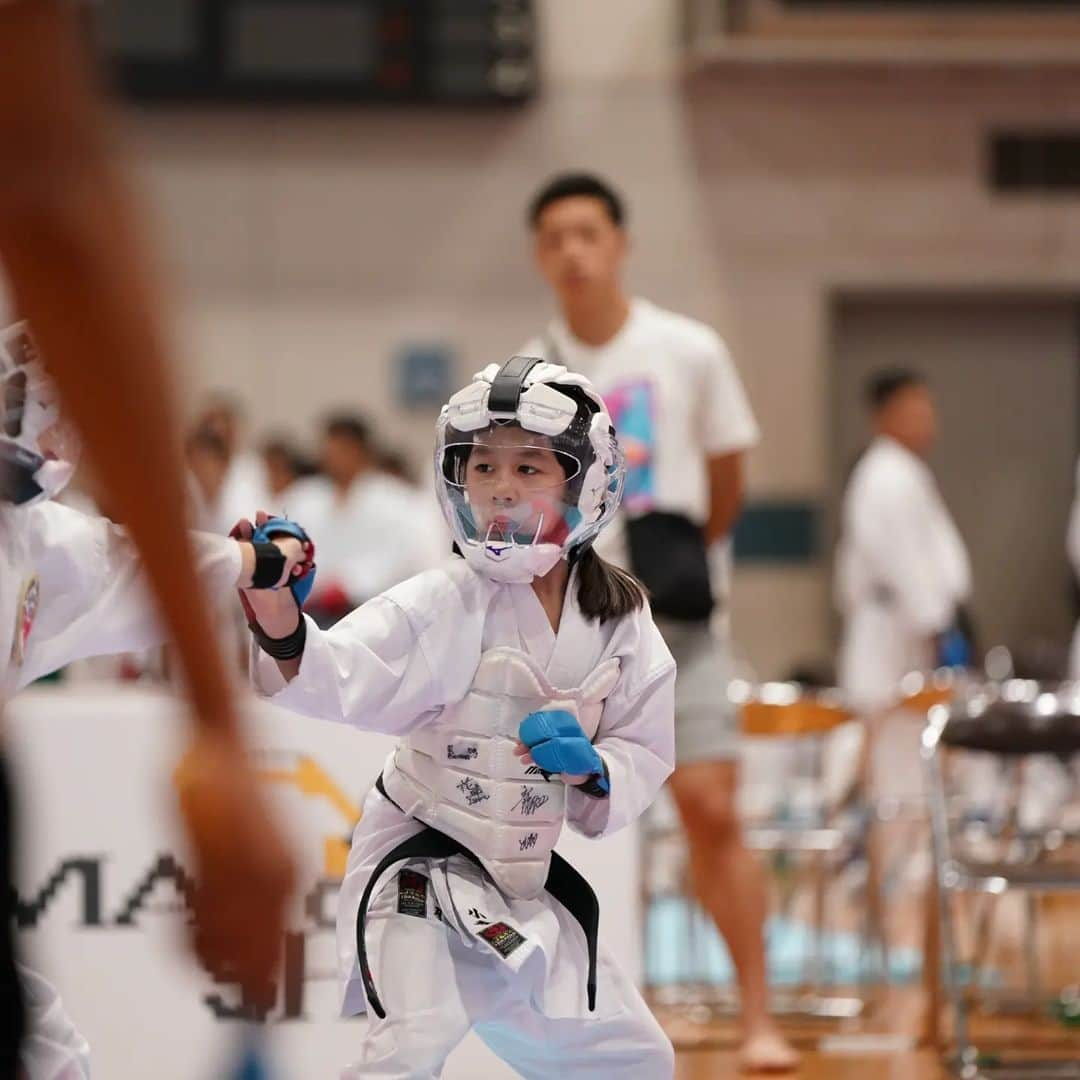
<point>309,247</point>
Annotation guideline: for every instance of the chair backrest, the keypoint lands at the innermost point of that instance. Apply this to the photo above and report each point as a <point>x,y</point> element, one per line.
<point>784,710</point>
<point>921,691</point>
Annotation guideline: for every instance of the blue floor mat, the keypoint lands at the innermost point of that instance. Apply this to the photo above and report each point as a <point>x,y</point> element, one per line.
<point>677,951</point>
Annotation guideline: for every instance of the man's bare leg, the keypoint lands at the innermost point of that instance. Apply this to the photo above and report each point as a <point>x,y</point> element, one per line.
<point>729,884</point>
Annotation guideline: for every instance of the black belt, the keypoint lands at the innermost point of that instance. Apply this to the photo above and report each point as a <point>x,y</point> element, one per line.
<point>564,883</point>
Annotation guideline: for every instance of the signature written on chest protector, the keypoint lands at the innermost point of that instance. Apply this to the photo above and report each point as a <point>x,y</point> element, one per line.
<point>472,791</point>
<point>530,801</point>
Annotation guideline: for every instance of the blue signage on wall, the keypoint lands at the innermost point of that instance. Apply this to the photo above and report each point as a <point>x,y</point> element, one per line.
<point>425,375</point>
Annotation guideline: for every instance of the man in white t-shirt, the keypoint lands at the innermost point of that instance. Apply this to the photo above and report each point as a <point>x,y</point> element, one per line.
<point>684,423</point>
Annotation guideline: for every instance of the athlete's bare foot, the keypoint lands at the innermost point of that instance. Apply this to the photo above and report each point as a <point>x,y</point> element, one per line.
<point>767,1051</point>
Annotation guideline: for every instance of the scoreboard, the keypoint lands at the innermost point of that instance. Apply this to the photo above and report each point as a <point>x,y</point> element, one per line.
<point>419,51</point>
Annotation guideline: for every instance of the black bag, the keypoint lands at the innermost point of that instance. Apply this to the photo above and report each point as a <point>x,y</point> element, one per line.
<point>667,552</point>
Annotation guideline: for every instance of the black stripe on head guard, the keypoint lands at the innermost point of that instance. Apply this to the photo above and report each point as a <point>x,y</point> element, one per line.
<point>508,385</point>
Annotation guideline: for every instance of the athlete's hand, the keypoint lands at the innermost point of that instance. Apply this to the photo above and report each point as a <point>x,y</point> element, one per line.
<point>569,779</point>
<point>244,871</point>
<point>297,554</point>
<point>275,610</point>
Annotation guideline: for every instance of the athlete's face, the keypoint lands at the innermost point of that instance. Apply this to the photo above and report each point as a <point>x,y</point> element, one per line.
<point>517,485</point>
<point>578,248</point>
<point>910,416</point>
<point>343,458</point>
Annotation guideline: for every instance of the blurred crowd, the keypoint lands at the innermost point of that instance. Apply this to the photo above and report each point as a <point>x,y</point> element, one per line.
<point>349,489</point>
<point>350,493</point>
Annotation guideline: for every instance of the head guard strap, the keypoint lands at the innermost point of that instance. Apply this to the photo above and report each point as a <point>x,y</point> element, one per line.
<point>507,386</point>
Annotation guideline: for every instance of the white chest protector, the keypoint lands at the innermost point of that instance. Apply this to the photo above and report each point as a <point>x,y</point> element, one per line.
<point>460,774</point>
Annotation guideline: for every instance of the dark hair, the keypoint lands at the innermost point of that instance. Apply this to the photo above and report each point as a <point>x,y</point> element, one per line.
<point>604,591</point>
<point>278,446</point>
<point>205,439</point>
<point>282,446</point>
<point>349,426</point>
<point>882,386</point>
<point>395,463</point>
<point>220,402</point>
<point>570,184</point>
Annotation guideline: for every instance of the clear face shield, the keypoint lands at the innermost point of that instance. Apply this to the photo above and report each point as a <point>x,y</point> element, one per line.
<point>521,490</point>
<point>505,488</point>
<point>41,447</point>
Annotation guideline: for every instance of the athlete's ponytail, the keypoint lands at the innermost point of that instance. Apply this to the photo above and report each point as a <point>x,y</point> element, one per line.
<point>604,591</point>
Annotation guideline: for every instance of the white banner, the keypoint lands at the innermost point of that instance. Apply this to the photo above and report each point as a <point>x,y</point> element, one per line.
<point>102,915</point>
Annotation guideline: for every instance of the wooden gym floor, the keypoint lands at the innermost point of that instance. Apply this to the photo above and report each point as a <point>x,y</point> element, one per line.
<point>889,1041</point>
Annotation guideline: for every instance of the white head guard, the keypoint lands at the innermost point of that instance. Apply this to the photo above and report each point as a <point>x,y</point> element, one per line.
<point>38,451</point>
<point>526,410</point>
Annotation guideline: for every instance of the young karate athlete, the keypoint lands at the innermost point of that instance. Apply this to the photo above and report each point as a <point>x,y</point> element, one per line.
<point>71,586</point>
<point>530,689</point>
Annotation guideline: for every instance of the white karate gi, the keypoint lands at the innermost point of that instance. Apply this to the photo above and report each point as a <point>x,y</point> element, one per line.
<point>394,665</point>
<point>901,571</point>
<point>70,588</point>
<point>381,533</point>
